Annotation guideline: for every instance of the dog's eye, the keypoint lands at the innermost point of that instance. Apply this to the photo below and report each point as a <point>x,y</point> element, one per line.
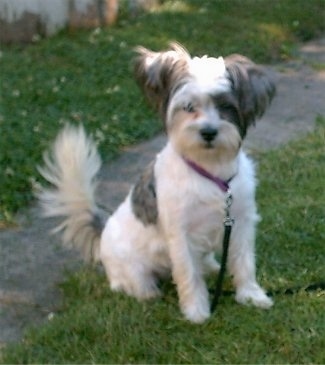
<point>225,107</point>
<point>189,108</point>
<point>224,103</point>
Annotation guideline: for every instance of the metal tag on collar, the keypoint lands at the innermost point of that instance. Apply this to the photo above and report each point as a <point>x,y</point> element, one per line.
<point>228,221</point>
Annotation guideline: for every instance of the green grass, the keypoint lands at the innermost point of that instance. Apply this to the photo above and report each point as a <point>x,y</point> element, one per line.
<point>97,326</point>
<point>85,77</point>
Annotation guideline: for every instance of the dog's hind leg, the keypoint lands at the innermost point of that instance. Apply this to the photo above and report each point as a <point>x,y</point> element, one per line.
<point>131,277</point>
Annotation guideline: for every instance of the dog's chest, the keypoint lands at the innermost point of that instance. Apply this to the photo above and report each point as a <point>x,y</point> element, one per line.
<point>203,216</point>
<point>194,206</point>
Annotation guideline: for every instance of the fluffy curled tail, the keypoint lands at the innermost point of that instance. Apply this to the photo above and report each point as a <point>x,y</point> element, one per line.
<point>71,167</point>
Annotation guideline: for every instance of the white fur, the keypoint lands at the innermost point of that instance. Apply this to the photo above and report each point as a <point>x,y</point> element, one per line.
<point>209,72</point>
<point>71,168</point>
<point>191,208</point>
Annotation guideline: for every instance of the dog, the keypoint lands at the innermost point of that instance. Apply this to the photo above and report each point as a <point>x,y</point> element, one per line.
<point>171,222</point>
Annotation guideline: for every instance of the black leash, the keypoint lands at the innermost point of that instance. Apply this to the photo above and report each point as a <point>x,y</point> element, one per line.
<point>221,275</point>
<point>296,289</point>
<point>318,286</point>
<point>228,223</point>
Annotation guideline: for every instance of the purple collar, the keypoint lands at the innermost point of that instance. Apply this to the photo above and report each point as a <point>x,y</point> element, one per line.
<point>222,184</point>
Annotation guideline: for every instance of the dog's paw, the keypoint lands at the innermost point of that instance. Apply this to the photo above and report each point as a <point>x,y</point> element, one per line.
<point>196,315</point>
<point>253,294</point>
<point>196,312</point>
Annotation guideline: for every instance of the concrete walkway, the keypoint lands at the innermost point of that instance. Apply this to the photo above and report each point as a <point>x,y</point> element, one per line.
<point>33,263</point>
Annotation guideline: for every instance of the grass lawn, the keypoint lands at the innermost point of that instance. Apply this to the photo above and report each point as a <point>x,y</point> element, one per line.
<point>86,77</point>
<point>97,326</point>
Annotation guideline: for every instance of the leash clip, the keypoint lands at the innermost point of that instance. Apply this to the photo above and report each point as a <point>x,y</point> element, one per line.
<point>228,221</point>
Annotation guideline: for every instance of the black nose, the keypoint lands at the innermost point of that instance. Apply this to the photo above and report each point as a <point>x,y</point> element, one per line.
<point>208,133</point>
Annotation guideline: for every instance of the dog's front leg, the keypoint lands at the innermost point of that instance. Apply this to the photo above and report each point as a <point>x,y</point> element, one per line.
<point>188,277</point>
<point>241,265</point>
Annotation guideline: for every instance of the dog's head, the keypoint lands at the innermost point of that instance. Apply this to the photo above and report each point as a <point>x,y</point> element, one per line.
<point>207,103</point>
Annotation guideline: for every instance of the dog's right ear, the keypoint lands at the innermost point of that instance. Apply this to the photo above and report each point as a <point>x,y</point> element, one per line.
<point>252,85</point>
<point>157,73</point>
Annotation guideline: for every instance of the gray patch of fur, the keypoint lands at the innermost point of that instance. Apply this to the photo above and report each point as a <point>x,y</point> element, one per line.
<point>252,85</point>
<point>144,199</point>
<point>98,223</point>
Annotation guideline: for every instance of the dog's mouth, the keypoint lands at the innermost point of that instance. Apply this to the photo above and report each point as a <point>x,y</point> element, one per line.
<point>209,145</point>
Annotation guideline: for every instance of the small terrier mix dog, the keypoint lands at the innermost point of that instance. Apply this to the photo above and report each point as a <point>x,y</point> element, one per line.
<point>171,222</point>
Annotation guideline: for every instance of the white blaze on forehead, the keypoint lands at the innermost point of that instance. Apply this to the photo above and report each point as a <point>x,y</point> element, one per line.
<point>210,73</point>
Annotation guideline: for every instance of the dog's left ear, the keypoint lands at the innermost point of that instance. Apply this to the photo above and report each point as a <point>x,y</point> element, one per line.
<point>157,73</point>
<point>252,86</point>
